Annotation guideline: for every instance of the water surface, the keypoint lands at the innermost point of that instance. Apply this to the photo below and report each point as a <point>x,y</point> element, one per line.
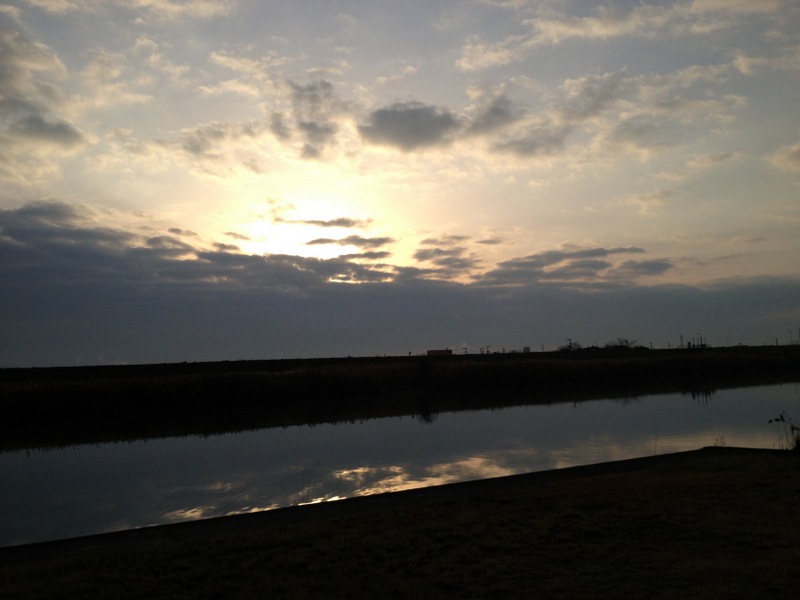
<point>91,489</point>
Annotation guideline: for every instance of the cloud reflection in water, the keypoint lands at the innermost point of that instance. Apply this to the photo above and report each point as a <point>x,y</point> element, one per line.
<point>77,491</point>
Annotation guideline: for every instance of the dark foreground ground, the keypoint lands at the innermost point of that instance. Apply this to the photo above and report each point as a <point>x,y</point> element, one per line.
<point>715,523</point>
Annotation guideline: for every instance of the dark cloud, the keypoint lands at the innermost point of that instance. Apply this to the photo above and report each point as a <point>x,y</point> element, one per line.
<point>445,240</point>
<point>491,241</point>
<point>558,265</point>
<point>364,242</point>
<point>432,254</point>
<point>311,118</point>
<point>409,126</point>
<point>167,246</point>
<point>633,268</point>
<point>449,262</point>
<point>74,292</point>
<point>280,127</point>
<point>344,222</point>
<point>371,255</point>
<point>578,269</point>
<point>226,247</point>
<point>57,133</point>
<point>353,240</point>
<point>186,232</point>
<point>340,222</point>
<point>317,136</point>
<point>495,115</point>
<point>321,242</point>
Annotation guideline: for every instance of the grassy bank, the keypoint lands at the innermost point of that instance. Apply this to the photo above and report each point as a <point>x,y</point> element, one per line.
<point>718,523</point>
<point>61,406</point>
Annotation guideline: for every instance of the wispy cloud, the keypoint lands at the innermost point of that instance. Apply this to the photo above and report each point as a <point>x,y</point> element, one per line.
<point>353,240</point>
<point>787,158</point>
<point>612,21</point>
<point>158,10</point>
<point>589,265</point>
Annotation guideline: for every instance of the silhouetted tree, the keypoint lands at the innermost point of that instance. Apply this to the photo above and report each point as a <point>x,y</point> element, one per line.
<point>621,342</point>
<point>570,346</point>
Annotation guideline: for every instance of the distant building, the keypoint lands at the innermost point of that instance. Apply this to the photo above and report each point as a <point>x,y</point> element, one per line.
<point>445,352</point>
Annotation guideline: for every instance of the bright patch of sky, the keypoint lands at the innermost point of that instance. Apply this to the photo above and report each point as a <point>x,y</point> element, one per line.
<point>486,145</point>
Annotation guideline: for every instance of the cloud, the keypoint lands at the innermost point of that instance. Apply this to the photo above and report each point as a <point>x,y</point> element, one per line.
<point>448,259</point>
<point>406,71</point>
<point>542,139</point>
<point>496,114</point>
<point>586,264</point>
<point>649,203</point>
<point>259,68</point>
<point>354,240</point>
<point>35,128</point>
<point>32,129</point>
<point>370,255</point>
<point>339,222</point>
<point>587,97</point>
<point>217,148</point>
<point>632,269</point>
<point>494,241</point>
<point>642,135</point>
<point>445,240</point>
<point>409,126</point>
<point>207,140</point>
<point>311,119</point>
<point>477,54</point>
<point>550,28</point>
<point>150,10</point>
<point>53,239</point>
<point>75,291</point>
<point>608,113</point>
<point>698,164</point>
<point>787,158</point>
<point>436,254</point>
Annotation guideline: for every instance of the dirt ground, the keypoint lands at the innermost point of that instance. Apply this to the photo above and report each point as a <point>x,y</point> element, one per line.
<point>715,523</point>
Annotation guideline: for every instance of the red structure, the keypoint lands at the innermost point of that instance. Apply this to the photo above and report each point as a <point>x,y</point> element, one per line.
<point>445,352</point>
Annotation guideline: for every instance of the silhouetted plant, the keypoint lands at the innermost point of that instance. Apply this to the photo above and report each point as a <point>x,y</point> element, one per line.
<point>570,346</point>
<point>621,342</point>
<point>790,439</point>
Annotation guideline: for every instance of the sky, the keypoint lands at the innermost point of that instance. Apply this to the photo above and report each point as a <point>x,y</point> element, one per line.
<point>237,179</point>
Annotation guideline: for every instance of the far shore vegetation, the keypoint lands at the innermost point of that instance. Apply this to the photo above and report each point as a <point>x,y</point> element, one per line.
<point>59,406</point>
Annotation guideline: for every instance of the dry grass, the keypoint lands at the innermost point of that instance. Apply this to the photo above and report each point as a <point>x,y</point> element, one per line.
<point>722,523</point>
